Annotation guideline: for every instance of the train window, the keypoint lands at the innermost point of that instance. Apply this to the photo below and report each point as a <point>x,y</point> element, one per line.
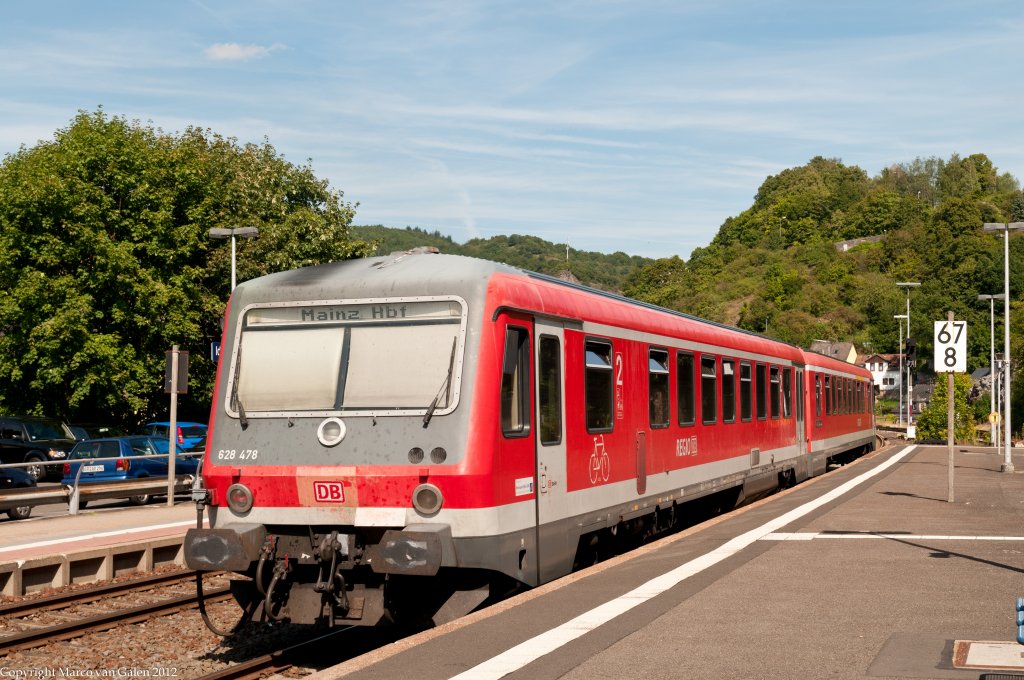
<point>746,392</point>
<point>336,368</point>
<point>599,386</point>
<point>515,383</point>
<point>686,387</point>
<point>776,388</point>
<point>728,390</point>
<point>657,387</point>
<point>762,392</point>
<point>849,395</point>
<point>549,390</point>
<point>787,392</point>
<point>708,396</point>
<point>817,395</point>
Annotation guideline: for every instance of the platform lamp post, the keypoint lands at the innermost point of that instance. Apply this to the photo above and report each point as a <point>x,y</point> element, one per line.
<point>992,359</point>
<point>899,319</point>
<point>236,232</point>
<point>910,380</point>
<point>1005,229</point>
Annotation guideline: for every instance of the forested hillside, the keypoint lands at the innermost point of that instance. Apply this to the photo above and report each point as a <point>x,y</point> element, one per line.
<point>607,272</point>
<point>775,267</point>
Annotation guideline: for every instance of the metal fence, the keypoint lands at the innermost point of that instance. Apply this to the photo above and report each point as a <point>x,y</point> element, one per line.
<point>74,494</point>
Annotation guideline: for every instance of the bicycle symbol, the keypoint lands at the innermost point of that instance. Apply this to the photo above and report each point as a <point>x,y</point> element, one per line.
<point>600,461</point>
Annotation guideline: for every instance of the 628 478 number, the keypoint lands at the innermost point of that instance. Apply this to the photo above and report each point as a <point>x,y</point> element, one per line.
<point>237,454</point>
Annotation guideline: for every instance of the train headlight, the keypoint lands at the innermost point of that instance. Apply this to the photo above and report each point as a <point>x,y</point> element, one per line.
<point>427,499</point>
<point>331,431</point>
<point>239,499</point>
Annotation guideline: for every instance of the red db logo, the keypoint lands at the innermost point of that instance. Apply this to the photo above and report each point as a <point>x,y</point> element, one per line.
<point>328,492</point>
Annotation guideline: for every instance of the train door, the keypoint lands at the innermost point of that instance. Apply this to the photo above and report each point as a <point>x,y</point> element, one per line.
<point>554,553</point>
<point>801,431</point>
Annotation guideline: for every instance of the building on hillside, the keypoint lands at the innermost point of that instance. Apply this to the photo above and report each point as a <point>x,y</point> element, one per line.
<point>844,351</point>
<point>885,371</point>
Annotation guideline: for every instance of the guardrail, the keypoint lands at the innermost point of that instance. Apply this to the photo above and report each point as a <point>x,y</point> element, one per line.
<point>16,498</point>
<point>75,493</point>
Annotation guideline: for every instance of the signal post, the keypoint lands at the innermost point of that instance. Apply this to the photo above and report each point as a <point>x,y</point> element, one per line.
<point>951,357</point>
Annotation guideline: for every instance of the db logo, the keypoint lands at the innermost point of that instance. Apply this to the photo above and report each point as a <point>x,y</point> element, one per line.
<point>328,492</point>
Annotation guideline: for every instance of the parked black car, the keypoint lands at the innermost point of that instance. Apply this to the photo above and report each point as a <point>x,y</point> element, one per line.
<point>35,440</point>
<point>16,478</point>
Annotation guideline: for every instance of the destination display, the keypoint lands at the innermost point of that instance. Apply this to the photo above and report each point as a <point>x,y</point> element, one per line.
<point>348,313</point>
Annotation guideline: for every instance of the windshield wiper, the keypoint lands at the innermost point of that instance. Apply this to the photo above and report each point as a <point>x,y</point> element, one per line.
<point>445,386</point>
<point>235,399</point>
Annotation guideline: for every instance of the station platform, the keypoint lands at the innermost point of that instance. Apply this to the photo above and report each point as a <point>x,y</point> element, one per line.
<point>866,572</point>
<point>50,552</point>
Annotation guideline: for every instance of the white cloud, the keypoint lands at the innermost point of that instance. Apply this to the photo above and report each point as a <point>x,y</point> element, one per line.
<point>236,52</point>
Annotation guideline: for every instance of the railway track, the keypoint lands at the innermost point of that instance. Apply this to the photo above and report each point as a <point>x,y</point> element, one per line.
<point>320,652</point>
<point>39,621</point>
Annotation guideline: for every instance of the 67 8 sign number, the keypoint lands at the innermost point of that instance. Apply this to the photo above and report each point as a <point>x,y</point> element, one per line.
<point>951,346</point>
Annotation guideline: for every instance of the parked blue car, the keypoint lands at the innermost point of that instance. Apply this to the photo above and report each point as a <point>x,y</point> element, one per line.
<point>152,462</point>
<point>189,434</point>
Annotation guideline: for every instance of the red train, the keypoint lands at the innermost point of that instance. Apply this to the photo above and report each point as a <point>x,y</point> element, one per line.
<point>400,438</point>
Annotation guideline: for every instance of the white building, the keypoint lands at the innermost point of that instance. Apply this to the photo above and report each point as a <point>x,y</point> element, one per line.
<point>885,371</point>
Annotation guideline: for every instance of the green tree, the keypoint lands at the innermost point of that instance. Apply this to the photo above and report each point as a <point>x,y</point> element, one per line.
<point>932,423</point>
<point>105,260</point>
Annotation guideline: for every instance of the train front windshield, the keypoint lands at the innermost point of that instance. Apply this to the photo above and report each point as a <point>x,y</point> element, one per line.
<point>383,358</point>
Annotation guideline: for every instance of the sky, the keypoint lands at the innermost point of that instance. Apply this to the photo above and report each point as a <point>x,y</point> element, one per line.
<point>636,126</point>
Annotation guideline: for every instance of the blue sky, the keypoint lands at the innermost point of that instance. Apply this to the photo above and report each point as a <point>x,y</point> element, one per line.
<point>637,126</point>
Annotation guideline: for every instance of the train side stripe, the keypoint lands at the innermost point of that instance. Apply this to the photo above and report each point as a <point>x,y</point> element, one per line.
<point>545,643</point>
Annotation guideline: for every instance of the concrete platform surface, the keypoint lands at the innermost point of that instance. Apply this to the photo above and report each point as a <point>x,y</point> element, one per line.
<point>50,552</point>
<point>867,572</point>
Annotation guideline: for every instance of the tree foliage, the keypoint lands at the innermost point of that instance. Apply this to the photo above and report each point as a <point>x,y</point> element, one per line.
<point>932,424</point>
<point>105,260</point>
<point>599,270</point>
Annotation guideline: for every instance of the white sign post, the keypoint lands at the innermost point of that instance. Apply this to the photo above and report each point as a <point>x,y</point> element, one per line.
<point>950,357</point>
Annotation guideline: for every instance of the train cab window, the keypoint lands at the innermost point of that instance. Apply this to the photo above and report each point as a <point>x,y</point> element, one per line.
<point>817,395</point>
<point>515,383</point>
<point>317,358</point>
<point>787,392</point>
<point>829,395</point>
<point>776,389</point>
<point>657,388</point>
<point>686,387</point>
<point>746,392</point>
<point>728,390</point>
<point>762,392</point>
<point>549,390</point>
<point>708,391</point>
<point>599,385</point>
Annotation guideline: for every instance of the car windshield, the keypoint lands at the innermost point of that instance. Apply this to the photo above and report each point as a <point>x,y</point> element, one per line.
<point>160,445</point>
<point>359,366</point>
<point>47,429</point>
<point>96,449</point>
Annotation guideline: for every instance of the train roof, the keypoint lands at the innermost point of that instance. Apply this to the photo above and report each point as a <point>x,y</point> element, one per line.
<point>412,273</point>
